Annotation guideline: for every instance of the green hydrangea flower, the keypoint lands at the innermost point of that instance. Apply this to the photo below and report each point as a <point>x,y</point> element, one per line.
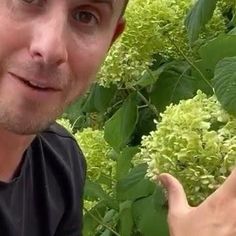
<point>196,142</point>
<point>150,26</point>
<point>96,151</point>
<point>66,124</point>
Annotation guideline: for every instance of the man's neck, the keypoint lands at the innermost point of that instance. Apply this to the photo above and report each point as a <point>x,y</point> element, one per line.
<point>12,147</point>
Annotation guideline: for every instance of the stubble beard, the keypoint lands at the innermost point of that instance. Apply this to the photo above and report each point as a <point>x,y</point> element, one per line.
<point>27,123</point>
<point>31,117</point>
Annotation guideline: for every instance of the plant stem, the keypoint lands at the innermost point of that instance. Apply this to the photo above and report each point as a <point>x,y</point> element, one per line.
<point>101,223</point>
<point>108,178</point>
<point>143,106</point>
<point>73,125</point>
<point>151,74</point>
<point>152,107</point>
<point>191,63</point>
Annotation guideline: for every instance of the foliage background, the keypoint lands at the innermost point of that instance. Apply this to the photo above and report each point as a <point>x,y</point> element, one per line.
<point>170,50</point>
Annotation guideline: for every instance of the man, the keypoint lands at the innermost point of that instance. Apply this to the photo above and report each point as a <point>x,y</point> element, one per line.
<point>50,51</point>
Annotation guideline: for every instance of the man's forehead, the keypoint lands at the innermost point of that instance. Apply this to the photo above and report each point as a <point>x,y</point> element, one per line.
<point>99,1</point>
<point>113,4</point>
<point>110,3</point>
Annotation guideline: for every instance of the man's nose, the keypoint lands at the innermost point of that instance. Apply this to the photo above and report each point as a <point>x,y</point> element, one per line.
<point>48,45</point>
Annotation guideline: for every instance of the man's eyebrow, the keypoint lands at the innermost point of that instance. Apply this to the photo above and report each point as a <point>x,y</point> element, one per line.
<point>110,3</point>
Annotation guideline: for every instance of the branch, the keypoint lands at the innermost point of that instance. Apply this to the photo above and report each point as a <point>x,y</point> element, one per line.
<point>101,223</point>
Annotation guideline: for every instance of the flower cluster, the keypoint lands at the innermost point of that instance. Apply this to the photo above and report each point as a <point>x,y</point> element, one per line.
<point>96,151</point>
<point>196,142</point>
<point>153,26</point>
<point>66,124</point>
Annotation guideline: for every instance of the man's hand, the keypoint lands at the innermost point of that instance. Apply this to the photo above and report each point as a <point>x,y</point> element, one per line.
<point>216,216</point>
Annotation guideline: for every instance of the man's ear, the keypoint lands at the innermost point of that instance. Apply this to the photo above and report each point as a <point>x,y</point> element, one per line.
<point>119,29</point>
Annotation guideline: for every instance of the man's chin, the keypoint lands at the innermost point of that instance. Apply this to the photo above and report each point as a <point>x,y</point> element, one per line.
<point>29,119</point>
<point>28,123</point>
<point>29,128</point>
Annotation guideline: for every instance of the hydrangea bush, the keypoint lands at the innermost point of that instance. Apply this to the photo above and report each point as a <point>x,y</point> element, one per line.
<point>96,151</point>
<point>196,142</point>
<point>66,124</point>
<point>153,26</point>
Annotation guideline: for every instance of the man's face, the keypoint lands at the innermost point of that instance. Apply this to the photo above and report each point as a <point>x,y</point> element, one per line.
<point>50,50</point>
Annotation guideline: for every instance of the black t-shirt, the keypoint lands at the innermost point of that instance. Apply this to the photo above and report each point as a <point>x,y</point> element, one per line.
<point>45,198</point>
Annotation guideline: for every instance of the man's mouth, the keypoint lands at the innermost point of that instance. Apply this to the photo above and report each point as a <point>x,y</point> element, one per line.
<point>36,84</point>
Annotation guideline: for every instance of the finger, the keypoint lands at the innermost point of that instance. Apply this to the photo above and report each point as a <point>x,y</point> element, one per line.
<point>229,186</point>
<point>176,196</point>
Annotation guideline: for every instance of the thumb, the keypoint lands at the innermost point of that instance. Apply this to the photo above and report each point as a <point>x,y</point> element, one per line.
<point>176,196</point>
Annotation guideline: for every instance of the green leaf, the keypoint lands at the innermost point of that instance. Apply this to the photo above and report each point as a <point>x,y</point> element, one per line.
<point>99,98</point>
<point>217,49</point>
<point>148,78</point>
<point>149,221</point>
<point>90,224</point>
<point>224,83</point>
<point>233,31</point>
<point>159,198</point>
<point>135,185</point>
<point>110,219</point>
<point>119,128</point>
<point>74,110</point>
<point>126,218</point>
<point>174,84</point>
<point>147,117</point>
<point>124,161</point>
<point>110,216</point>
<point>211,53</point>
<point>107,232</point>
<point>93,192</point>
<point>151,76</point>
<point>198,17</point>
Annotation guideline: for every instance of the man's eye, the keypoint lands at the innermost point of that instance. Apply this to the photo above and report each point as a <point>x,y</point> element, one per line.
<point>86,17</point>
<point>28,1</point>
<point>32,1</point>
